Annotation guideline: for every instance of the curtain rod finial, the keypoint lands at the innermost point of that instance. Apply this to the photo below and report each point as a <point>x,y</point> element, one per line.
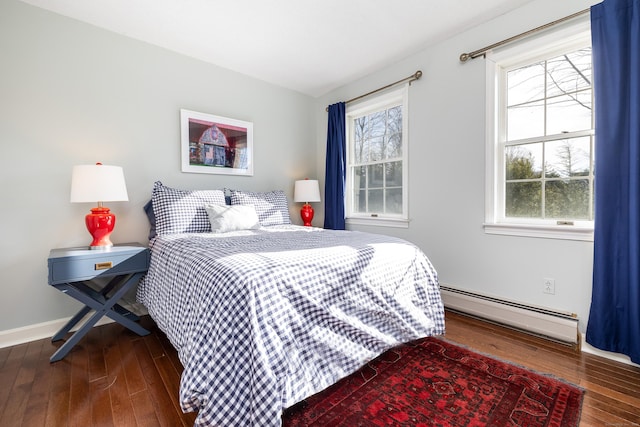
<point>418,74</point>
<point>464,57</point>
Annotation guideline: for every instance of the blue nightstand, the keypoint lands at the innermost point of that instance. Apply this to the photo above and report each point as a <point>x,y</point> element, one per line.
<point>74,271</point>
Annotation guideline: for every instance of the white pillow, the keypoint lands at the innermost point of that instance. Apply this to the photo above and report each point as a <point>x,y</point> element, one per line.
<point>230,218</point>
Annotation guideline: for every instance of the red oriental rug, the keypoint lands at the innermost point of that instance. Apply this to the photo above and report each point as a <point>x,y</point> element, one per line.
<point>431,382</point>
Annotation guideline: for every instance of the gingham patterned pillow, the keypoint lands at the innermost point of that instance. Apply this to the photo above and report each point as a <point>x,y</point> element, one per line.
<point>183,211</point>
<point>272,207</point>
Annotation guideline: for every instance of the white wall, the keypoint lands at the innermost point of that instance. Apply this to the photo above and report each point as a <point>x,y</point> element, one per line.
<point>447,173</point>
<point>71,93</point>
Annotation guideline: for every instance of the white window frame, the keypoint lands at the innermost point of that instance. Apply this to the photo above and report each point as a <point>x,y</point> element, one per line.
<point>572,36</point>
<point>372,104</point>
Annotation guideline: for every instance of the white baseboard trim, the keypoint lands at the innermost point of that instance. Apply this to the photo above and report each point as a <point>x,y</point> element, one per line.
<point>39,331</point>
<point>494,309</point>
<point>622,358</point>
<point>547,322</point>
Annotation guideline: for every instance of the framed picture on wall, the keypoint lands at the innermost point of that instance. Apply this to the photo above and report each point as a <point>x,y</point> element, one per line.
<point>214,144</point>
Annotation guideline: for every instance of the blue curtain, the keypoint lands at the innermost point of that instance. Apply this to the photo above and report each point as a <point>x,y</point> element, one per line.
<point>614,319</point>
<point>336,167</point>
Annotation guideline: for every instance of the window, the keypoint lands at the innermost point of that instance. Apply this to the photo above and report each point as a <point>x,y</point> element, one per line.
<point>541,147</point>
<point>376,160</point>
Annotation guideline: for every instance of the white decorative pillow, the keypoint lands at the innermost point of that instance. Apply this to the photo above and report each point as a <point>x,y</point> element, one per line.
<point>183,211</point>
<point>232,218</point>
<point>272,207</point>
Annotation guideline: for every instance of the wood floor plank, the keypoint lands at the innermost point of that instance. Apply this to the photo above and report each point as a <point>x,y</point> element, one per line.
<point>153,344</point>
<point>59,394</point>
<point>613,406</point>
<point>171,380</point>
<point>36,411</point>
<point>9,373</point>
<point>161,398</point>
<point>630,398</point>
<point>596,415</point>
<point>4,355</point>
<point>93,344</point>
<point>101,414</point>
<point>121,407</point>
<point>79,394</point>
<point>131,366</point>
<point>19,395</point>
<point>143,410</point>
<point>172,355</point>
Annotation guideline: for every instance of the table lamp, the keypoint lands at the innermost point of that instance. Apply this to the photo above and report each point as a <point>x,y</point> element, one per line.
<point>98,183</point>
<point>306,190</point>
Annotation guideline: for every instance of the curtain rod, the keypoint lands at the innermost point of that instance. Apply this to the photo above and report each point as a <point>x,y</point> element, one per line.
<point>481,52</point>
<point>415,76</point>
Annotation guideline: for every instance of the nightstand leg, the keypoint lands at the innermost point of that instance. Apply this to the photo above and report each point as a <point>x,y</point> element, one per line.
<point>70,324</point>
<point>105,308</point>
<point>68,345</point>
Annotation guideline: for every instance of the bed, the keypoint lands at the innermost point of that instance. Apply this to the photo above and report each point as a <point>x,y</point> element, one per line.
<point>265,313</point>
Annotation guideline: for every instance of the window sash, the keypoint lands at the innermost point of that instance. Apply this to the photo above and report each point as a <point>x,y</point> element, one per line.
<point>566,39</point>
<point>383,216</point>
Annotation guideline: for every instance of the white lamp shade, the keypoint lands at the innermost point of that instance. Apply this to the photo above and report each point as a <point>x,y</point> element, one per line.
<point>306,190</point>
<point>98,183</point>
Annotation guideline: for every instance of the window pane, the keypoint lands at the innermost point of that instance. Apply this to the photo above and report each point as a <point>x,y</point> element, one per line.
<point>523,199</point>
<point>360,201</point>
<point>375,201</point>
<point>377,123</point>
<point>569,113</point>
<point>361,144</point>
<point>567,199</point>
<point>359,177</point>
<point>523,161</point>
<point>377,148</point>
<point>393,148</point>
<point>375,176</point>
<point>359,127</point>
<point>393,176</point>
<point>525,121</point>
<point>525,84</point>
<point>567,158</point>
<point>393,201</point>
<point>394,124</point>
<point>569,73</point>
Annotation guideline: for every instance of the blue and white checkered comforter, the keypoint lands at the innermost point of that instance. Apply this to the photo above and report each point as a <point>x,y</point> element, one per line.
<point>264,318</point>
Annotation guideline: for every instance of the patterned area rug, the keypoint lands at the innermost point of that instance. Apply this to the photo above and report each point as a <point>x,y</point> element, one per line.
<point>431,382</point>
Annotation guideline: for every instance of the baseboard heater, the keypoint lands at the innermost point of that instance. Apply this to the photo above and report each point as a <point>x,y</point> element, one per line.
<point>556,325</point>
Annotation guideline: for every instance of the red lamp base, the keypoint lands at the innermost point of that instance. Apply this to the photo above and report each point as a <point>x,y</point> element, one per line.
<point>100,223</point>
<point>306,213</point>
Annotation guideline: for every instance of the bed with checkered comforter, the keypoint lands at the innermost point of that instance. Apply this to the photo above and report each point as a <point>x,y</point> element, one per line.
<point>264,318</point>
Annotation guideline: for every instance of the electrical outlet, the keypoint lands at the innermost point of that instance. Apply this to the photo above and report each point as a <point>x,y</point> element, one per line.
<point>549,286</point>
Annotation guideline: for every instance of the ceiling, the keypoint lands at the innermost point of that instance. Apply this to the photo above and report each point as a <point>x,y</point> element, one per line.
<point>311,46</point>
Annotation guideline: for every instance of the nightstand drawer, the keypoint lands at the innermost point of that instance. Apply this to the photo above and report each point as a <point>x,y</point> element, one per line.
<point>76,264</point>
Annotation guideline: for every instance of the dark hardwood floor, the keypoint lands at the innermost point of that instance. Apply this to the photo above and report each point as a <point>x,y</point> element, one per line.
<point>116,378</point>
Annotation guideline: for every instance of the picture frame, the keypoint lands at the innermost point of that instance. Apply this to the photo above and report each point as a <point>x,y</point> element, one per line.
<point>215,144</point>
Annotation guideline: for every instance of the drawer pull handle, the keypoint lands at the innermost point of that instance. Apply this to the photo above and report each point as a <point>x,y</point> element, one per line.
<point>104,265</point>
